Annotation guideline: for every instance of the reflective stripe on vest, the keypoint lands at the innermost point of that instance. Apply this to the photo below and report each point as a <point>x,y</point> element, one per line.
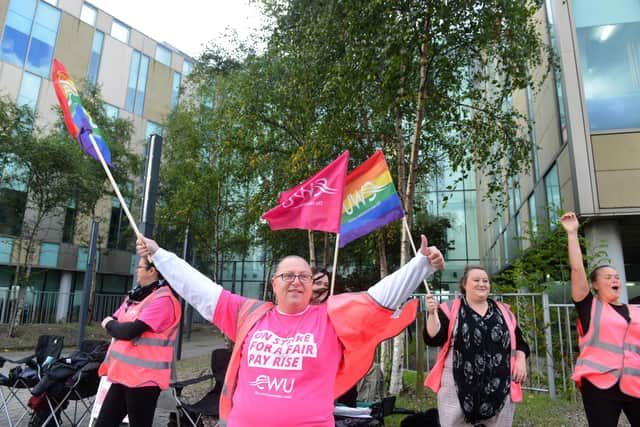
<point>138,362</point>
<point>154,342</point>
<point>148,358</point>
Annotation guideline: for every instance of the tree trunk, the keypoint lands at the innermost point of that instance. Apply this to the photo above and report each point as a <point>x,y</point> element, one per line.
<point>216,235</point>
<point>312,249</point>
<point>419,354</point>
<point>325,250</point>
<point>385,355</point>
<point>22,282</point>
<point>382,255</point>
<point>395,385</point>
<point>16,314</point>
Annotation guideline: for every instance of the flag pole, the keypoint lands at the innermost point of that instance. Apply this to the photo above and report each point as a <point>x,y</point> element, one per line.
<point>335,263</point>
<point>113,182</point>
<point>413,246</point>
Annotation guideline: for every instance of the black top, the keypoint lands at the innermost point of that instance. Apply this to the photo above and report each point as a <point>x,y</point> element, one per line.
<point>127,330</point>
<point>584,311</point>
<point>441,337</point>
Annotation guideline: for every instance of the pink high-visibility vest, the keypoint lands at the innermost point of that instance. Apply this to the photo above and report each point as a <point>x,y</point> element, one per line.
<point>610,350</point>
<point>451,309</point>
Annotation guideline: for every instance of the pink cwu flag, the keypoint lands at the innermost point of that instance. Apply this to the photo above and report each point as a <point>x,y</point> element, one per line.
<point>316,204</point>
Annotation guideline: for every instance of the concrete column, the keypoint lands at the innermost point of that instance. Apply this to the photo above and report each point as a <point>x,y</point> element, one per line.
<point>64,294</point>
<point>608,233</point>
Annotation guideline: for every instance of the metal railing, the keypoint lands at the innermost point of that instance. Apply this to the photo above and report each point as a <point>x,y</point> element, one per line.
<point>549,329</point>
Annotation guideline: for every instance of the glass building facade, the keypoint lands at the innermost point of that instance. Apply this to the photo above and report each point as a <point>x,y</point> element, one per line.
<point>609,47</point>
<point>458,203</point>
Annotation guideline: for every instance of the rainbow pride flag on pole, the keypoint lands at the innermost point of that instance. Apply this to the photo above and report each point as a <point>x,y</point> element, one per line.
<point>370,199</point>
<point>79,123</point>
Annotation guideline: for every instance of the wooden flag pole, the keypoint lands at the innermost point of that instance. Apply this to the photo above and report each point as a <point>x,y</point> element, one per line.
<point>413,246</point>
<point>113,184</point>
<point>335,264</point>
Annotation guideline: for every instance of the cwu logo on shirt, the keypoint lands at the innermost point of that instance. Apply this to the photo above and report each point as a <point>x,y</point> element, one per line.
<point>279,385</point>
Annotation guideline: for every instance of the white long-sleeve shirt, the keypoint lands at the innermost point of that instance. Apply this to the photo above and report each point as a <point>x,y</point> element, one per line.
<point>203,294</point>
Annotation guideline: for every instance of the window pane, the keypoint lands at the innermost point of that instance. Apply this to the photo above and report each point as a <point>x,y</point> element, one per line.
<point>49,254</point>
<point>451,275</point>
<point>175,89</point>
<point>17,31</point>
<point>142,85</point>
<point>516,192</point>
<point>133,78</point>
<point>12,207</point>
<point>471,223</point>
<point>512,204</point>
<point>533,217</point>
<point>111,111</point>
<point>557,73</point>
<point>152,128</point>
<point>83,255</point>
<point>43,39</point>
<point>68,228</point>
<point>457,233</point>
<point>96,52</point>
<point>29,90</point>
<point>609,43</point>
<point>6,247</point>
<point>120,31</point>
<point>163,55</point>
<point>187,67</point>
<point>88,14</point>
<point>14,175</point>
<point>552,185</point>
<point>532,133</point>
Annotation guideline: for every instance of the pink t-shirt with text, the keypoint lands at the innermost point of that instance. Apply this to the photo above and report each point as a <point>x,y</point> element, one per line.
<point>288,368</point>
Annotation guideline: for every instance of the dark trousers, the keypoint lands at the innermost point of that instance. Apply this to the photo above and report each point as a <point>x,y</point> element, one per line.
<point>603,407</point>
<point>138,403</point>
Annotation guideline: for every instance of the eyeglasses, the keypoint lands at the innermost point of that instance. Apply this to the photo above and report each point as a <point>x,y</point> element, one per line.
<point>290,277</point>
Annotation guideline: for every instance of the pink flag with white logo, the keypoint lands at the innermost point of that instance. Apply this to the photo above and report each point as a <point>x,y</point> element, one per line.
<point>316,204</point>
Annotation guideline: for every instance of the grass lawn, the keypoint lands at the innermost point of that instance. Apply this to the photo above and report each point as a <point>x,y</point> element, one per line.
<point>27,335</point>
<point>535,410</point>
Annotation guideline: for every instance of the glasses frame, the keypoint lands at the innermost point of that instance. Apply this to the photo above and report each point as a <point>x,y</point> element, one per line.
<point>296,276</point>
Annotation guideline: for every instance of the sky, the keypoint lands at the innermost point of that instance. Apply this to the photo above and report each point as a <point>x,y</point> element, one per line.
<point>185,24</point>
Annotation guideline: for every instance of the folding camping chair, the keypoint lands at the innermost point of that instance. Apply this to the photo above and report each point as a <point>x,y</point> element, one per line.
<point>208,405</point>
<point>72,379</point>
<point>27,373</point>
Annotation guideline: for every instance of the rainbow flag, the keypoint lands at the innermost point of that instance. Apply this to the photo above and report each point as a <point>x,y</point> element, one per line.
<point>79,123</point>
<point>370,201</point>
